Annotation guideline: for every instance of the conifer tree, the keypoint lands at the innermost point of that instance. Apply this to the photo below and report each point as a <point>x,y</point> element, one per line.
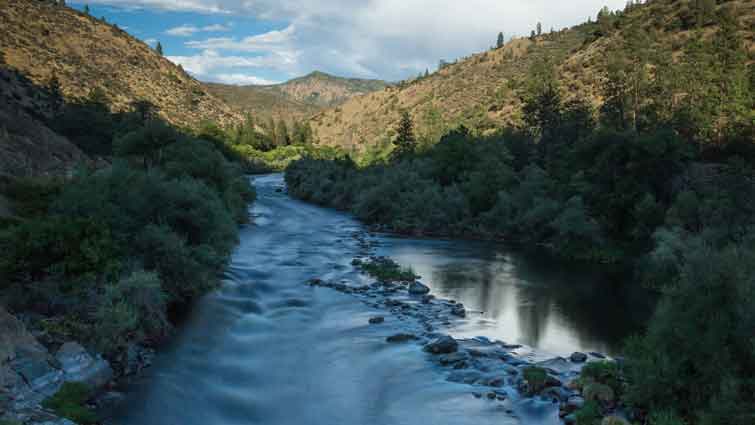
<point>159,48</point>
<point>405,142</point>
<point>86,9</point>
<point>499,43</point>
<point>539,29</point>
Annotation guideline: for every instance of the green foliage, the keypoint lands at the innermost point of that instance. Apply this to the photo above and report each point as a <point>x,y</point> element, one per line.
<point>405,142</point>
<point>69,402</point>
<point>698,356</point>
<point>387,270</point>
<point>60,247</point>
<point>133,307</point>
<point>589,414</point>
<point>602,372</point>
<point>31,197</point>
<point>536,377</point>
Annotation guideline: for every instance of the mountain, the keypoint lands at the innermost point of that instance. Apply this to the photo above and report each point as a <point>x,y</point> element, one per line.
<point>295,99</point>
<point>55,45</point>
<point>484,91</point>
<point>262,103</point>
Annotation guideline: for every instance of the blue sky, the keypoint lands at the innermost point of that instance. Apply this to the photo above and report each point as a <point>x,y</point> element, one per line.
<point>268,41</point>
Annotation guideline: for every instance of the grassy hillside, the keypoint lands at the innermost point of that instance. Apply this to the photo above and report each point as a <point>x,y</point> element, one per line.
<point>296,99</point>
<point>58,46</point>
<point>262,103</point>
<point>484,91</point>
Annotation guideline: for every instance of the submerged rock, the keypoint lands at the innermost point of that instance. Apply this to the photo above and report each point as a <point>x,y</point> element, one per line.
<point>443,345</point>
<point>401,337</point>
<point>377,319</point>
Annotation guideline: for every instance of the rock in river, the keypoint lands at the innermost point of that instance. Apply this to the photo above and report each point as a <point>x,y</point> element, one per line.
<point>402,337</point>
<point>578,357</point>
<point>80,366</point>
<point>442,345</point>
<point>377,319</point>
<point>418,288</point>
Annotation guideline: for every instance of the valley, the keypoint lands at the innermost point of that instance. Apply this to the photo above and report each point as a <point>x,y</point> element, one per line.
<point>558,229</point>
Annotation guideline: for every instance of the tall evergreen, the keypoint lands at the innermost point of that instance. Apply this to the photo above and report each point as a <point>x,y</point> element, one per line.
<point>159,48</point>
<point>499,42</point>
<point>539,29</point>
<point>86,9</point>
<point>405,142</point>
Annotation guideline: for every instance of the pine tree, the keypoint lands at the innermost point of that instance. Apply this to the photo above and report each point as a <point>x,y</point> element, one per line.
<point>86,9</point>
<point>539,29</point>
<point>159,48</point>
<point>705,9</point>
<point>499,43</point>
<point>282,134</point>
<point>405,142</point>
<point>427,72</point>
<point>532,35</point>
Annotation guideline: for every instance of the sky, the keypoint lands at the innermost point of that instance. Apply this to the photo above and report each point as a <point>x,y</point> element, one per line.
<point>271,41</point>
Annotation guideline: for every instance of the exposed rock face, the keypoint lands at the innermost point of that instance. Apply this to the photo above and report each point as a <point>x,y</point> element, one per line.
<point>29,374</point>
<point>80,366</point>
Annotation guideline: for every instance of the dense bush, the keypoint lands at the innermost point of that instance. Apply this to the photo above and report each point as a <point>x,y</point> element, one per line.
<point>106,254</point>
<point>698,356</point>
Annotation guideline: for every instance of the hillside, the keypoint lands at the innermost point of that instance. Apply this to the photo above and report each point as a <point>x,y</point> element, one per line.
<point>47,43</point>
<point>263,104</point>
<point>295,99</point>
<point>484,91</point>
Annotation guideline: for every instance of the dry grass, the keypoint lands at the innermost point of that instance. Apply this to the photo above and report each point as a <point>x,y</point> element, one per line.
<point>483,91</point>
<point>43,41</point>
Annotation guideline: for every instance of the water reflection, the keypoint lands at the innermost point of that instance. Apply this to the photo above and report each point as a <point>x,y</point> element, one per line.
<point>529,299</point>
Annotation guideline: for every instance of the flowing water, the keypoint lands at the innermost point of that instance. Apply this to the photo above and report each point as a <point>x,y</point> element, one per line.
<point>268,349</point>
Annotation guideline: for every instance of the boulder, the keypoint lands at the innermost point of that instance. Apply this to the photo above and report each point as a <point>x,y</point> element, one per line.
<point>417,288</point>
<point>376,320</point>
<point>573,403</point>
<point>80,366</point>
<point>28,373</point>
<point>578,357</point>
<point>442,345</point>
<point>458,310</point>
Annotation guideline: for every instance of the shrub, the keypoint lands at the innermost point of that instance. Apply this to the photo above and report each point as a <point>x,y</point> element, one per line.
<point>536,377</point>
<point>588,414</point>
<point>602,372</point>
<point>132,308</point>
<point>698,355</point>
<point>69,248</point>
<point>69,402</point>
<point>387,270</point>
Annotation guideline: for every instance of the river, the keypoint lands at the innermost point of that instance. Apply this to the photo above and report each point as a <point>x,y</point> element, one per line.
<point>266,348</point>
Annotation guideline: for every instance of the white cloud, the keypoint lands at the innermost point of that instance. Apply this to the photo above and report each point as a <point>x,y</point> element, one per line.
<point>209,62</point>
<point>269,41</point>
<point>389,39</point>
<point>201,6</point>
<point>243,79</point>
<point>151,41</point>
<point>189,30</point>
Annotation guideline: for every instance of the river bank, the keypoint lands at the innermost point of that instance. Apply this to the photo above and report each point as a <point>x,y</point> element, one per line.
<point>271,347</point>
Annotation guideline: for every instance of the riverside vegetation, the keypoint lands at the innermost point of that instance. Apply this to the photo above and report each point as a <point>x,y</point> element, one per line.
<point>659,177</point>
<point>104,256</point>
